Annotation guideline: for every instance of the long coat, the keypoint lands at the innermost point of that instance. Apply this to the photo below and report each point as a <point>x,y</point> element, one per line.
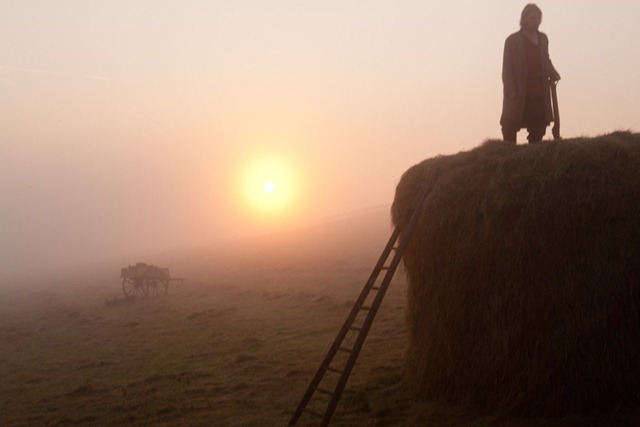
<point>514,78</point>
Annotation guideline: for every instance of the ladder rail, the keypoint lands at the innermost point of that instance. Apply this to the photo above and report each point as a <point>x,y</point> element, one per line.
<point>345,328</point>
<point>366,326</point>
<point>398,241</point>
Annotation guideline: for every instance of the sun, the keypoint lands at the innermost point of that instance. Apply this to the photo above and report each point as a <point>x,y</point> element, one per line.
<point>269,186</point>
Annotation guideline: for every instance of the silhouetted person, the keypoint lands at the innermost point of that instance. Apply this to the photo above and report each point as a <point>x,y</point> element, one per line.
<point>527,73</point>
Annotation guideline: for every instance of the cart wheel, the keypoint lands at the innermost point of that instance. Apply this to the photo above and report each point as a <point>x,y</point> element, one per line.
<point>156,287</point>
<point>151,287</point>
<point>133,287</point>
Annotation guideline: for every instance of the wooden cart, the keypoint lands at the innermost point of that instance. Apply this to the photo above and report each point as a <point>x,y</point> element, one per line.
<point>145,280</point>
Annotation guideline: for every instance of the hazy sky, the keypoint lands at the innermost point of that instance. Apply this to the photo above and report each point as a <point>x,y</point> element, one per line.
<point>128,126</point>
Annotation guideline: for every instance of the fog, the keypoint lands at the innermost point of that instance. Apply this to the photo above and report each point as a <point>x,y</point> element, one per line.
<point>126,128</point>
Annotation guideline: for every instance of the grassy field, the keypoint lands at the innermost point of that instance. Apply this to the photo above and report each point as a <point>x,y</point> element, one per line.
<point>235,345</point>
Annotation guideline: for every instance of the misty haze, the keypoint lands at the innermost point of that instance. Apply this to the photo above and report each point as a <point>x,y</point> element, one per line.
<point>252,153</point>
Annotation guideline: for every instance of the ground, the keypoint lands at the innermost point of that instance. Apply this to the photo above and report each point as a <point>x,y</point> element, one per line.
<point>235,345</point>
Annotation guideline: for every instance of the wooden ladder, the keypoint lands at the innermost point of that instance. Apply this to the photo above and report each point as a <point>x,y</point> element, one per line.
<point>329,381</point>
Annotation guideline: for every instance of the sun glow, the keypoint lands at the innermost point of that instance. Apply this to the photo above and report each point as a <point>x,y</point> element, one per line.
<point>269,186</point>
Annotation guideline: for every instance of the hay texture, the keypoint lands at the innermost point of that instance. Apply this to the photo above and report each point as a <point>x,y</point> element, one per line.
<point>524,276</point>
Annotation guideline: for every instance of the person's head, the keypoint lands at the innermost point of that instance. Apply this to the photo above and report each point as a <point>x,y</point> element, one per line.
<point>531,17</point>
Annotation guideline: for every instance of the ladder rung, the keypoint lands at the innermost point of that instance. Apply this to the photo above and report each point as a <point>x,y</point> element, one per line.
<point>346,350</point>
<point>321,390</point>
<point>365,307</point>
<point>386,267</point>
<point>375,288</point>
<point>334,370</point>
<point>314,413</point>
<point>355,328</point>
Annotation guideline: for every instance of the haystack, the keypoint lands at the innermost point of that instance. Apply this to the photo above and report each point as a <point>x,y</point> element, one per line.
<point>524,276</point>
